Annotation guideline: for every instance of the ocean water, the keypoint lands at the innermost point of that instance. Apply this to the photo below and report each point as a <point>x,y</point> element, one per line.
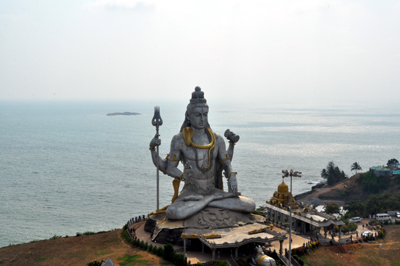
<point>66,167</point>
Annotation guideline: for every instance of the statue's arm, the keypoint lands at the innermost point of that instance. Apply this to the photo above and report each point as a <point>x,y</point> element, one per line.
<point>233,138</point>
<point>175,156</point>
<point>230,150</point>
<point>162,164</point>
<point>223,156</point>
<point>226,164</point>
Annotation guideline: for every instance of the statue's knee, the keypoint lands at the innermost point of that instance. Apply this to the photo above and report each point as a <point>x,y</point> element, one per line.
<point>249,204</point>
<point>252,206</point>
<point>174,213</point>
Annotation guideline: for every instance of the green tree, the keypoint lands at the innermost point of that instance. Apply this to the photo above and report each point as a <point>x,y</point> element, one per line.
<point>394,161</point>
<point>355,167</point>
<point>352,226</point>
<point>355,208</point>
<point>332,208</point>
<point>332,174</point>
<point>168,251</point>
<point>371,183</point>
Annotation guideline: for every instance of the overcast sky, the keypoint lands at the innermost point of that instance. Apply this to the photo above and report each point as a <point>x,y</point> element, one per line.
<point>256,51</point>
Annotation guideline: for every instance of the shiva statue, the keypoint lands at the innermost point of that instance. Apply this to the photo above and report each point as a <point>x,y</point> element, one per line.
<point>203,154</point>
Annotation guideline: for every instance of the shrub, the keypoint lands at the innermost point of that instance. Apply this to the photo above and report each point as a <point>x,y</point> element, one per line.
<point>168,252</point>
<point>160,252</point>
<point>300,251</point>
<point>373,222</point>
<point>154,250</point>
<point>88,233</point>
<point>179,259</point>
<point>95,263</point>
<point>352,226</point>
<point>382,233</point>
<point>298,259</point>
<point>55,237</point>
<point>221,263</point>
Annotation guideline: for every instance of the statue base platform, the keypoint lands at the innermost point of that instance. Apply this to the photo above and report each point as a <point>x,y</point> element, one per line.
<point>213,227</point>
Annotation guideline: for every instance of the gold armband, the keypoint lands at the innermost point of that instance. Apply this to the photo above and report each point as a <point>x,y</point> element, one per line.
<point>227,158</point>
<point>180,178</point>
<point>174,159</point>
<point>153,149</point>
<point>229,175</point>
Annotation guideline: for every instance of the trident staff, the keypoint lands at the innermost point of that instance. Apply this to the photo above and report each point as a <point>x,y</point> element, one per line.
<point>157,121</point>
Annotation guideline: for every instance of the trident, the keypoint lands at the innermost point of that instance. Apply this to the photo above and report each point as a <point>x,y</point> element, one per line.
<point>157,121</point>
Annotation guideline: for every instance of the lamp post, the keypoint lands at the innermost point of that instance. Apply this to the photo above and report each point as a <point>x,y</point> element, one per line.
<point>286,173</point>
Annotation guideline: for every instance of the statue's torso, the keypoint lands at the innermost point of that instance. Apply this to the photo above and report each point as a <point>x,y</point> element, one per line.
<point>203,165</point>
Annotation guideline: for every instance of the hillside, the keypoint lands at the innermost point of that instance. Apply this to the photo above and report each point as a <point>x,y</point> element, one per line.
<point>365,254</point>
<point>78,251</point>
<point>349,189</point>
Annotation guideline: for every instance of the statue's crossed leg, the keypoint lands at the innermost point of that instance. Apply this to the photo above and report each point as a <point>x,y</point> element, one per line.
<point>192,203</point>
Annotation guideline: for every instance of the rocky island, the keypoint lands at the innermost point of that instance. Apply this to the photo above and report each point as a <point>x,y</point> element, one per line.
<point>125,113</point>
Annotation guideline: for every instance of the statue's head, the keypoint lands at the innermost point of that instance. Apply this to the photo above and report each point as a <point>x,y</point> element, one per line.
<point>196,111</point>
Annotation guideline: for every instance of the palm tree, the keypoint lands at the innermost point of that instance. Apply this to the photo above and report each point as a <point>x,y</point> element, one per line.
<point>355,166</point>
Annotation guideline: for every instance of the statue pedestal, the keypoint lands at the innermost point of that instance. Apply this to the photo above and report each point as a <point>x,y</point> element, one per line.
<point>210,221</point>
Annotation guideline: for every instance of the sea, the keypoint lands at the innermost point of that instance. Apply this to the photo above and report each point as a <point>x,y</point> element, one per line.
<point>67,167</point>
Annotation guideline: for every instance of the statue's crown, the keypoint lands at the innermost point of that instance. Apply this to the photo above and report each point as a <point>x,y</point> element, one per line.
<point>197,96</point>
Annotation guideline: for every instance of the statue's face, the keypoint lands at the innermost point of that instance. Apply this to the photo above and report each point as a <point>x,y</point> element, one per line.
<point>198,117</point>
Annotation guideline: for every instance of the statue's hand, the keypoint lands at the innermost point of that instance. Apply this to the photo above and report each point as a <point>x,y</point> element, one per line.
<point>231,136</point>
<point>187,172</point>
<point>232,184</point>
<point>155,142</point>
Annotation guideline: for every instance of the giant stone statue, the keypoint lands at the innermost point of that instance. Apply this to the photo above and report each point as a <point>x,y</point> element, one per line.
<point>204,155</point>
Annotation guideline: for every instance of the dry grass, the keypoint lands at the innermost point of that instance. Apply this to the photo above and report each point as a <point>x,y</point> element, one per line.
<point>361,254</point>
<point>77,251</point>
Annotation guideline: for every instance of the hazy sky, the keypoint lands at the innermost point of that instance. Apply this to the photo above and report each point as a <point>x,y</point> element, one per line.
<point>260,51</point>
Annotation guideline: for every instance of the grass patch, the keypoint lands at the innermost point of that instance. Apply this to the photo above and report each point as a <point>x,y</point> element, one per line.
<point>103,252</point>
<point>1,261</point>
<point>166,263</point>
<point>132,261</point>
<point>55,237</point>
<point>395,263</point>
<point>89,233</point>
<point>14,260</point>
<point>40,258</point>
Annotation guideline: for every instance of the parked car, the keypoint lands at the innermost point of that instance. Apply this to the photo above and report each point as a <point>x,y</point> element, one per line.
<point>366,233</point>
<point>398,215</point>
<point>355,219</point>
<point>383,217</point>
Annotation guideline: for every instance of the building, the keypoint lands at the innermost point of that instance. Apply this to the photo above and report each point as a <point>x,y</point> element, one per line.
<point>381,171</point>
<point>305,219</point>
